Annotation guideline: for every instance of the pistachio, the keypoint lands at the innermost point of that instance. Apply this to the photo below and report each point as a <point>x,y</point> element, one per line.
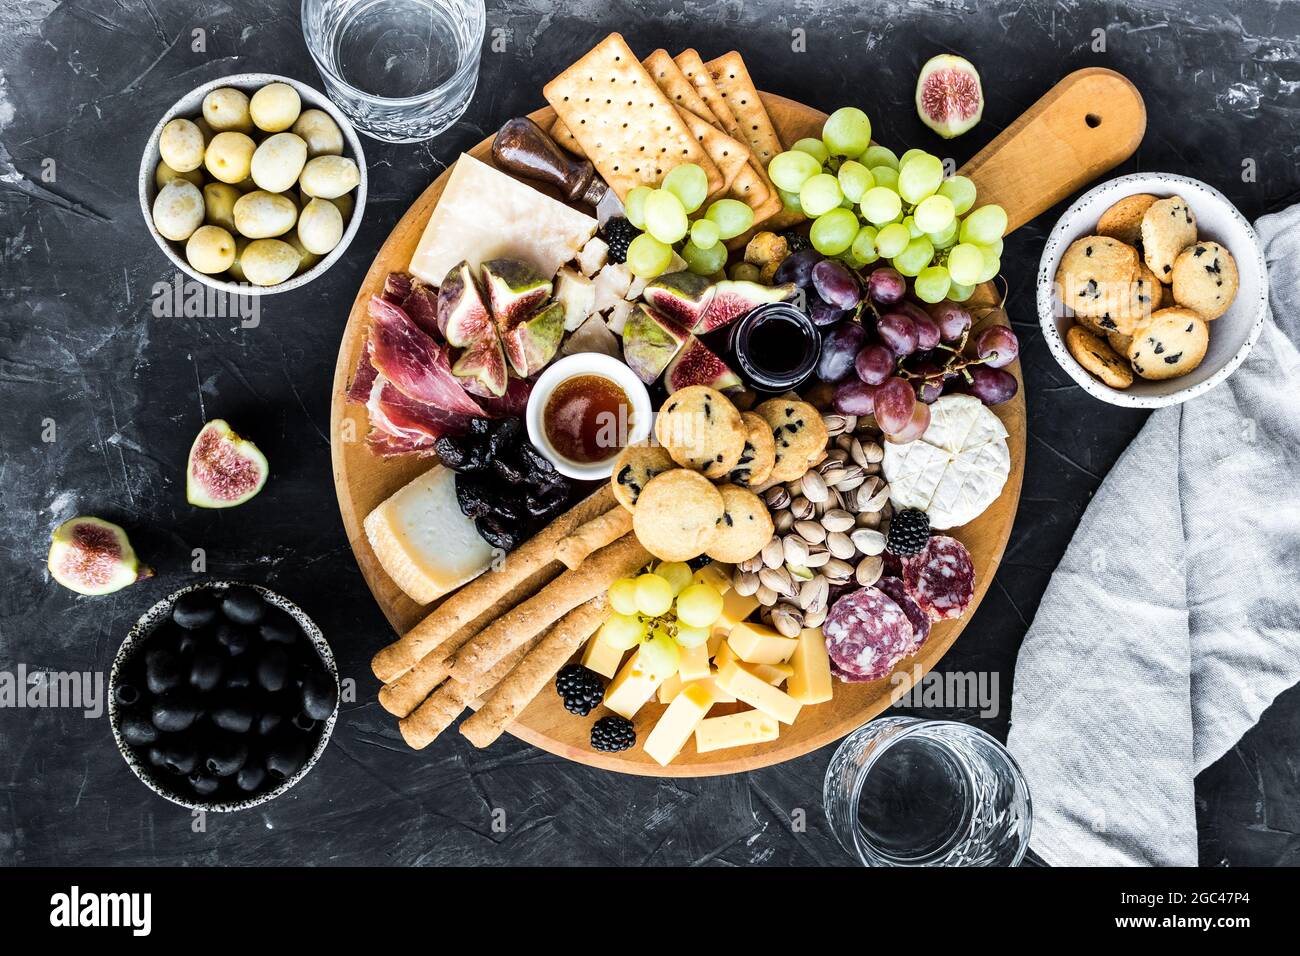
<point>744,583</point>
<point>869,519</point>
<point>810,531</point>
<point>873,453</point>
<point>787,620</point>
<point>835,454</point>
<point>814,487</point>
<point>832,472</point>
<point>837,520</point>
<point>818,555</point>
<point>783,521</point>
<point>844,441</point>
<point>837,571</point>
<point>796,549</point>
<point>802,508</point>
<point>798,572</point>
<point>766,596</point>
<point>815,618</point>
<point>773,553</point>
<point>751,564</point>
<point>839,424</point>
<point>777,497</point>
<point>868,541</point>
<point>869,570</point>
<point>840,545</point>
<point>778,580</point>
<point>811,592</point>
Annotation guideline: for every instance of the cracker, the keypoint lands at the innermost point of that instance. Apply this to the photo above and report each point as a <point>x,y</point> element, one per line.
<point>626,125</point>
<point>677,87</point>
<point>693,68</point>
<point>734,83</point>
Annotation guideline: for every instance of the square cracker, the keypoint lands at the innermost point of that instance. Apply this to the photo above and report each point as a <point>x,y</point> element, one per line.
<point>733,81</point>
<point>626,125</point>
<point>693,68</point>
<point>678,87</point>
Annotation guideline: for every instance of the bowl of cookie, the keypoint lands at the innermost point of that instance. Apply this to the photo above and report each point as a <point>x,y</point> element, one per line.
<point>1152,289</point>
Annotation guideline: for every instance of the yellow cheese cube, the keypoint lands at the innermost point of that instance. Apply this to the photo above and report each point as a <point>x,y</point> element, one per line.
<point>716,575</point>
<point>811,681</point>
<point>735,608</point>
<point>758,693</point>
<point>632,687</point>
<point>772,673</point>
<point>600,657</point>
<point>758,644</point>
<point>694,663</point>
<point>678,723</point>
<point>670,688</point>
<point>735,730</point>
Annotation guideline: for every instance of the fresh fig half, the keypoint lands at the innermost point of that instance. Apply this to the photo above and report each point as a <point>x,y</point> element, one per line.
<point>462,313</point>
<point>533,342</point>
<point>93,556</point>
<point>682,296</point>
<point>224,470</point>
<point>650,340</point>
<point>732,298</point>
<point>949,98</point>
<point>515,290</point>
<point>696,364</point>
<point>482,366</point>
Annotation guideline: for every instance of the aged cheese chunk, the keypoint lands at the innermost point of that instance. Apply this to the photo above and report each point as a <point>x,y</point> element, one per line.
<point>956,469</point>
<point>735,730</point>
<point>485,214</point>
<point>632,687</point>
<point>758,693</point>
<point>694,662</point>
<point>811,681</point>
<point>772,673</point>
<point>759,644</point>
<point>678,723</point>
<point>673,686</point>
<point>600,657</point>
<point>716,575</point>
<point>735,608</point>
<point>424,541</point>
<point>577,294</point>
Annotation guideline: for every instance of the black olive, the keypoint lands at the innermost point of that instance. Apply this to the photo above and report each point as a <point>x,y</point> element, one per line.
<point>225,756</point>
<point>235,639</point>
<point>126,694</point>
<point>243,605</point>
<point>250,777</point>
<point>234,714</point>
<point>280,628</point>
<point>156,756</point>
<point>204,784</point>
<point>195,609</point>
<point>205,672</point>
<point>174,712</point>
<point>286,758</point>
<point>138,732</point>
<point>273,669</point>
<point>162,670</point>
<point>268,723</point>
<point>187,643</point>
<point>179,756</point>
<point>319,695</point>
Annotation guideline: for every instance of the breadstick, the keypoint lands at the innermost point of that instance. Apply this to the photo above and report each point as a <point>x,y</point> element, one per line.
<point>485,590</point>
<point>445,704</point>
<point>574,548</point>
<point>507,699</point>
<point>548,605</point>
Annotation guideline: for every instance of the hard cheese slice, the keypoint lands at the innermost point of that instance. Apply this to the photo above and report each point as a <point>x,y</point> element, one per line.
<point>811,681</point>
<point>757,692</point>
<point>485,214</point>
<point>735,730</point>
<point>678,723</point>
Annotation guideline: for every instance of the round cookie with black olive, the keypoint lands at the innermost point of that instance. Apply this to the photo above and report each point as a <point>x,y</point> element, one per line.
<point>745,527</point>
<point>701,430</point>
<point>678,514</point>
<point>1102,278</point>
<point>1097,357</point>
<point>1173,343</point>
<point>799,434</point>
<point>759,455</point>
<point>633,468</point>
<point>1123,220</point>
<point>1168,227</point>
<point>1205,279</point>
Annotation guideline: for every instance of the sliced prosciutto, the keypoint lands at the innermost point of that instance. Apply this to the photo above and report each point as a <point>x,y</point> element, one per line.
<point>363,377</point>
<point>415,364</point>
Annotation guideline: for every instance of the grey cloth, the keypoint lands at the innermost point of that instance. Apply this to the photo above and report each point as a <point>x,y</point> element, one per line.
<point>1174,618</point>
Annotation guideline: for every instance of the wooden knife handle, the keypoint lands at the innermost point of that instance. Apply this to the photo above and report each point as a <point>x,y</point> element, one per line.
<point>1086,124</point>
<point>525,149</point>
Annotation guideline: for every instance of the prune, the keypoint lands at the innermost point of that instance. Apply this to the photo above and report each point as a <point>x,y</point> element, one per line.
<point>269,723</point>
<point>452,452</point>
<point>243,605</point>
<point>250,777</point>
<point>319,694</point>
<point>203,784</point>
<point>138,732</point>
<point>235,715</point>
<point>179,756</point>
<point>508,471</point>
<point>235,639</point>
<point>225,756</point>
<point>506,509</point>
<point>195,609</point>
<point>480,427</point>
<point>205,671</point>
<point>497,536</point>
<point>273,669</point>
<point>162,670</point>
<point>543,504</point>
<point>286,758</point>
<point>505,438</point>
<point>126,694</point>
<point>280,628</point>
<point>474,496</point>
<point>174,712</point>
<point>540,469</point>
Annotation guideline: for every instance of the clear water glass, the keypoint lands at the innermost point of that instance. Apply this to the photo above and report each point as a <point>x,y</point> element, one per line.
<point>902,791</point>
<point>401,70</point>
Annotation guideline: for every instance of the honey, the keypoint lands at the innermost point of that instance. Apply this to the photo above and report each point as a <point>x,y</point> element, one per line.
<point>587,419</point>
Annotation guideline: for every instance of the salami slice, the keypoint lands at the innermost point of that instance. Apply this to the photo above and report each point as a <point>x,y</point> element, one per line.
<point>895,588</point>
<point>867,633</point>
<point>941,579</point>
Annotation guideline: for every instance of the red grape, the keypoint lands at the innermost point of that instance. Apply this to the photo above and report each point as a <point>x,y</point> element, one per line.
<point>822,314</point>
<point>952,319</point>
<point>927,333</point>
<point>874,364</point>
<point>836,285</point>
<point>886,285</point>
<point>998,346</point>
<point>840,346</point>
<point>992,386</point>
<point>853,397</point>
<point>915,427</point>
<point>898,332</point>
<point>797,268</point>
<point>894,404</point>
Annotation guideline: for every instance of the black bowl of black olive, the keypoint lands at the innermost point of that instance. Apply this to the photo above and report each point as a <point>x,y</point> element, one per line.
<point>223,696</point>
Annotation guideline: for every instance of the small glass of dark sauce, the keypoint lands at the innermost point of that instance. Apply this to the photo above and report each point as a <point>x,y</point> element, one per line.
<point>776,347</point>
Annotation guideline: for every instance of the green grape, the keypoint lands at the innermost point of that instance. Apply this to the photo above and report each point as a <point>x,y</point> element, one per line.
<point>855,179</point>
<point>879,156</point>
<point>932,284</point>
<point>847,132</point>
<point>915,257</point>
<point>688,636</point>
<point>622,596</point>
<point>965,263</point>
<point>992,266</point>
<point>621,631</point>
<point>689,183</point>
<point>994,247</point>
<point>705,233</point>
<point>820,194</point>
<point>833,232</point>
<point>914,151</point>
<point>892,240</point>
<point>814,148</point>
<point>634,207</point>
<point>960,293</point>
<point>699,605</point>
<point>660,653</point>
<point>919,176</point>
<point>678,574</point>
<point>885,176</point>
<point>790,200</point>
<point>732,216</point>
<point>913,230</point>
<point>984,225</point>
<point>665,217</point>
<point>863,249</point>
<point>961,191</point>
<point>647,257</point>
<point>934,213</point>
<point>881,205</point>
<point>791,169</point>
<point>944,239</point>
<point>654,595</point>
<point>704,262</point>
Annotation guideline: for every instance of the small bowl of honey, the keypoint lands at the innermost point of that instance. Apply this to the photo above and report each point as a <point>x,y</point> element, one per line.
<point>585,409</point>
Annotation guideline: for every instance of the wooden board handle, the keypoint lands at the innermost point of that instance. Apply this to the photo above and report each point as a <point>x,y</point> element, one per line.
<point>1088,123</point>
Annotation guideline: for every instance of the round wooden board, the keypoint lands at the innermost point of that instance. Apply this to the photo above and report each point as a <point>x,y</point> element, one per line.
<point>363,480</point>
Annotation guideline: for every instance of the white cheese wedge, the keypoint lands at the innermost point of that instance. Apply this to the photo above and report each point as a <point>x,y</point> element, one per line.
<point>577,294</point>
<point>424,541</point>
<point>956,469</point>
<point>485,214</point>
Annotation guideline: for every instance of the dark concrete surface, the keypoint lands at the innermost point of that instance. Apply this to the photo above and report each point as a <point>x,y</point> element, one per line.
<point>81,85</point>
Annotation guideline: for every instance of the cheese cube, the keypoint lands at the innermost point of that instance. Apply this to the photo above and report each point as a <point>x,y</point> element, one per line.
<point>600,657</point>
<point>716,575</point>
<point>593,256</point>
<point>758,644</point>
<point>577,294</point>
<point>632,687</point>
<point>694,663</point>
<point>735,608</point>
<point>611,285</point>
<point>758,693</point>
<point>670,688</point>
<point>735,730</point>
<point>811,681</point>
<point>678,723</point>
<point>774,674</point>
<point>618,316</point>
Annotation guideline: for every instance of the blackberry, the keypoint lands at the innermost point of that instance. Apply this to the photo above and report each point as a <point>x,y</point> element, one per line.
<point>612,734</point>
<point>909,530</point>
<point>618,234</point>
<point>796,241</point>
<point>582,689</point>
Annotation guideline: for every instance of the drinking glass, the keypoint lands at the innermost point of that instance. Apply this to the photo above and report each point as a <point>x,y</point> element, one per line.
<point>401,70</point>
<point>902,791</point>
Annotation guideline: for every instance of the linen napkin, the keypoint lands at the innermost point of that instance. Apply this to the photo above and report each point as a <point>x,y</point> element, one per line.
<point>1174,618</point>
